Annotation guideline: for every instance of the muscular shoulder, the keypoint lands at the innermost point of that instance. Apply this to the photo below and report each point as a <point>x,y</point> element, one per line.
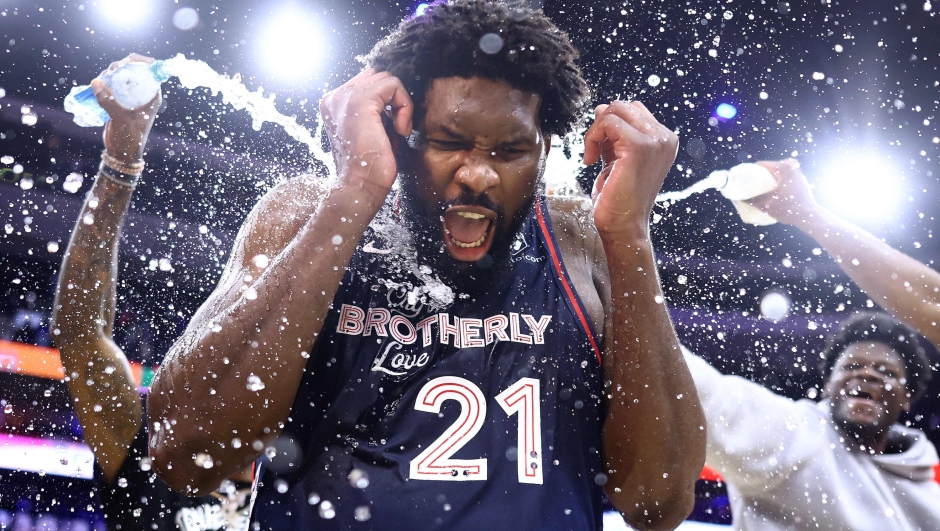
<point>281,213</point>
<point>581,250</point>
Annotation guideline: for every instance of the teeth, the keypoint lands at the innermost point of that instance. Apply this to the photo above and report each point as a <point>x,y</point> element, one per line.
<point>470,215</point>
<point>470,245</point>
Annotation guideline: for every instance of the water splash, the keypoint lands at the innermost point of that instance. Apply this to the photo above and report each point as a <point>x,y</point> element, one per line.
<point>561,170</point>
<point>193,73</point>
<point>715,181</point>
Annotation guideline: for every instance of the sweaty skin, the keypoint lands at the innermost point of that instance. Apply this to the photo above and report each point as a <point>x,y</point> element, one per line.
<point>905,287</point>
<point>482,138</point>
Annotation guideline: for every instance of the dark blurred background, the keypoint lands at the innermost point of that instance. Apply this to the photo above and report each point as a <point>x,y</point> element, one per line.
<point>849,88</point>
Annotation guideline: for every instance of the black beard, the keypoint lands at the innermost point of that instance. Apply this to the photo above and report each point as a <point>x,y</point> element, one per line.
<point>424,223</point>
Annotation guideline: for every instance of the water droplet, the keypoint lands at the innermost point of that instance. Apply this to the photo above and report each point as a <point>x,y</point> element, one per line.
<point>491,43</point>
<point>145,464</point>
<point>363,513</point>
<point>313,499</point>
<point>358,478</point>
<point>203,460</point>
<point>254,383</point>
<point>653,80</point>
<point>600,479</point>
<point>122,482</point>
<point>73,182</point>
<point>327,512</point>
<point>281,486</point>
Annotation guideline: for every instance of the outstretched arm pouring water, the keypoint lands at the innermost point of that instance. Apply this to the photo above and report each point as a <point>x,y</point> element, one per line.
<point>897,282</point>
<point>227,386</point>
<point>100,381</point>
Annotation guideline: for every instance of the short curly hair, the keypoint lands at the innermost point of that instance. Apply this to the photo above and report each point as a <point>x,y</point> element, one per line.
<point>882,328</point>
<point>526,50</point>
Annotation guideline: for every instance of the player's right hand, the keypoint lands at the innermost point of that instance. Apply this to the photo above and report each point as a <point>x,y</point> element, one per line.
<point>792,201</point>
<point>126,134</point>
<point>362,150</point>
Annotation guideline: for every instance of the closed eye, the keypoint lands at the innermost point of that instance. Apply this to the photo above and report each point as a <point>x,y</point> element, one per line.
<point>447,145</point>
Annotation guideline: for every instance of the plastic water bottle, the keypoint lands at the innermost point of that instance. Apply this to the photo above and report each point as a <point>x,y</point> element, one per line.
<point>133,85</point>
<point>747,181</point>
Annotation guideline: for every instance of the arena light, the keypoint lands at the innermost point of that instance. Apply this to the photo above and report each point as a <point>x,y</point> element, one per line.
<point>726,111</point>
<point>865,188</point>
<point>125,13</point>
<point>293,45</point>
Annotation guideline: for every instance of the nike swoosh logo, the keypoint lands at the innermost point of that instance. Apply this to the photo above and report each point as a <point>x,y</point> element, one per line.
<point>368,248</point>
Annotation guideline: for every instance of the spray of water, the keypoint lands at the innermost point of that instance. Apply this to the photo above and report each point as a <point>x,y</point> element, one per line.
<point>195,74</point>
<point>715,180</point>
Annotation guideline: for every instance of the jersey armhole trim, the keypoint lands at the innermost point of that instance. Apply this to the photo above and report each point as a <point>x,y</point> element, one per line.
<point>541,213</point>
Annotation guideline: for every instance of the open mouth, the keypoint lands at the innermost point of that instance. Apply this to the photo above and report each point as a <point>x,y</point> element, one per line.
<point>863,396</point>
<point>468,231</point>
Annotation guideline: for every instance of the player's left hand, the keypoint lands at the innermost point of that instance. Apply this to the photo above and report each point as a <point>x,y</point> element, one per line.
<point>637,152</point>
<point>125,135</point>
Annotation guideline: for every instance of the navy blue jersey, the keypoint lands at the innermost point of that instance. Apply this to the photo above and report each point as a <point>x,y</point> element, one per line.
<point>485,414</point>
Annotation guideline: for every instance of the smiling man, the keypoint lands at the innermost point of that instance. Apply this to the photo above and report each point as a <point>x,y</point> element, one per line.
<point>842,463</point>
<point>459,351</point>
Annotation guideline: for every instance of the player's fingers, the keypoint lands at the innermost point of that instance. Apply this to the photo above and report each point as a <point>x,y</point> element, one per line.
<point>105,97</point>
<point>638,116</point>
<point>593,138</point>
<point>366,78</point>
<point>608,135</point>
<point>138,58</point>
<point>397,102</point>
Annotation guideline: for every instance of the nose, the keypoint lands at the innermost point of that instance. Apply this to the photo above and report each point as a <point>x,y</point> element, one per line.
<point>869,373</point>
<point>477,174</point>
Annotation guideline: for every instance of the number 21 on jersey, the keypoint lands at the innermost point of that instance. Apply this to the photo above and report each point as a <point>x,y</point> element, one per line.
<point>436,462</point>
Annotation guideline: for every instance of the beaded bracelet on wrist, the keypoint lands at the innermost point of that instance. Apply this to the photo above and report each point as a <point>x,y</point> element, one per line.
<point>128,180</point>
<point>132,168</point>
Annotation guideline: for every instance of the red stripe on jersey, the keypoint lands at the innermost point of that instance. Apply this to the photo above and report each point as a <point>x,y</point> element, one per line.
<point>559,269</point>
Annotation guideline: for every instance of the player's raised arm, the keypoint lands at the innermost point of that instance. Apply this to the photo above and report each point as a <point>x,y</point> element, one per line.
<point>98,375</point>
<point>654,436</point>
<point>897,282</point>
<point>230,381</point>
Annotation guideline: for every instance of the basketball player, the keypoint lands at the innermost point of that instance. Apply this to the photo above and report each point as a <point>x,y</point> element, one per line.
<point>844,462</point>
<point>462,352</point>
<point>99,378</point>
